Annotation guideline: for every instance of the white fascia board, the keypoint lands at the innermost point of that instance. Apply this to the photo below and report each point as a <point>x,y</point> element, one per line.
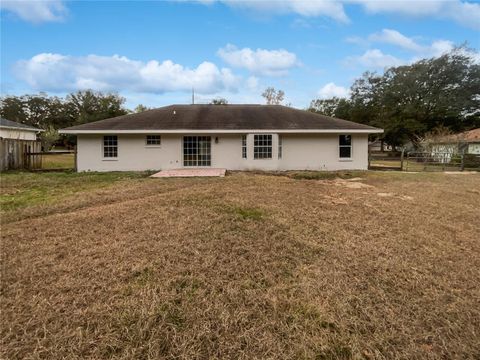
<point>21,128</point>
<point>216,131</point>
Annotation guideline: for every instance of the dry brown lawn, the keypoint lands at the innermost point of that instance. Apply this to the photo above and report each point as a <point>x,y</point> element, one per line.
<point>250,266</point>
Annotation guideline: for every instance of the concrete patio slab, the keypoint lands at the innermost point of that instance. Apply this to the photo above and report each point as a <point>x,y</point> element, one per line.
<point>190,173</point>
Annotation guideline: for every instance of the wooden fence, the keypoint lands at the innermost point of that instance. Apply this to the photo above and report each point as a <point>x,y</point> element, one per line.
<point>13,154</point>
<point>66,160</point>
<point>385,160</point>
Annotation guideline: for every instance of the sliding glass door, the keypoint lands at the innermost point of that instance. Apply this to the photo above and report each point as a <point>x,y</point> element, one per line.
<point>197,151</point>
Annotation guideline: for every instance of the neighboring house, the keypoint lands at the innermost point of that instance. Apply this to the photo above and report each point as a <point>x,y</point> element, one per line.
<point>16,140</point>
<point>13,130</point>
<point>379,145</point>
<point>235,137</point>
<point>467,142</point>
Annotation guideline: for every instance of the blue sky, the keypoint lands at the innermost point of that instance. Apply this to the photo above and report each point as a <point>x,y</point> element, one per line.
<point>154,52</point>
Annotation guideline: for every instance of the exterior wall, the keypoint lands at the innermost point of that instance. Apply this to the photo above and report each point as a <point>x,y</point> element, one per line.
<point>17,134</point>
<point>133,154</point>
<point>300,152</point>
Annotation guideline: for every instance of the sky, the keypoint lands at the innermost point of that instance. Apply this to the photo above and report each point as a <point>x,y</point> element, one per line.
<point>154,52</point>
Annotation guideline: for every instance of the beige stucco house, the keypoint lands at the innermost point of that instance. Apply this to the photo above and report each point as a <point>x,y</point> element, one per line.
<point>234,137</point>
<point>13,130</point>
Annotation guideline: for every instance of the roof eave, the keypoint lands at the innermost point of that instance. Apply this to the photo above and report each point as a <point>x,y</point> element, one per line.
<point>21,128</point>
<point>224,131</point>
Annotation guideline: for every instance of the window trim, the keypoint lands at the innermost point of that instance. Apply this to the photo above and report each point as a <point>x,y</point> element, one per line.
<point>153,145</point>
<point>263,146</point>
<point>109,158</point>
<point>197,148</point>
<point>350,158</point>
<point>244,147</point>
<point>280,146</point>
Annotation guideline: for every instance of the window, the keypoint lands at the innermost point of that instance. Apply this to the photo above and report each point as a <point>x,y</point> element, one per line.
<point>345,146</point>
<point>110,146</point>
<point>244,146</point>
<point>153,139</point>
<point>262,148</point>
<point>280,146</point>
<point>196,151</point>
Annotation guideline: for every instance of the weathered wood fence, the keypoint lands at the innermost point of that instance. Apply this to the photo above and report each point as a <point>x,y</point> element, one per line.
<point>13,154</point>
<point>385,160</point>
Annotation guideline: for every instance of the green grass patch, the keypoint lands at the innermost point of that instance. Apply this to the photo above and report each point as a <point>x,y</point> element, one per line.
<point>336,351</point>
<point>326,175</point>
<point>172,315</point>
<point>24,189</point>
<point>249,213</point>
<point>58,161</point>
<point>143,277</point>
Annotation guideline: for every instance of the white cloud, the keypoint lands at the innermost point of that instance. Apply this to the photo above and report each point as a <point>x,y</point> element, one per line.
<point>308,8</point>
<point>374,59</point>
<point>55,72</point>
<point>439,47</point>
<point>36,11</point>
<point>418,8</point>
<point>393,37</point>
<point>463,12</point>
<point>252,83</point>
<point>466,13</point>
<point>331,90</point>
<point>357,40</point>
<point>259,61</point>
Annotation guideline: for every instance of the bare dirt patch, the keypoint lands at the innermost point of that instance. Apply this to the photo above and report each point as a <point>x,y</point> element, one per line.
<point>249,266</point>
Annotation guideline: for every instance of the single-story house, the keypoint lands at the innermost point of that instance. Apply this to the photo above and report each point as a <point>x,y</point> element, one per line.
<point>14,130</point>
<point>467,142</point>
<point>234,137</point>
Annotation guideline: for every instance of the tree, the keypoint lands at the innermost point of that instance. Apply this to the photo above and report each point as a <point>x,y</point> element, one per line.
<point>49,137</point>
<point>140,108</point>
<point>35,110</point>
<point>219,101</point>
<point>426,141</point>
<point>272,96</point>
<point>87,106</point>
<point>52,113</point>
<point>13,108</point>
<point>334,107</point>
<point>409,101</point>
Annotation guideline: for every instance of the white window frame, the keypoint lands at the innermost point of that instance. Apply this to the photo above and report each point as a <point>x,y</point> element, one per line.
<point>244,147</point>
<point>153,145</point>
<point>109,158</point>
<point>280,146</point>
<point>255,136</point>
<point>340,146</point>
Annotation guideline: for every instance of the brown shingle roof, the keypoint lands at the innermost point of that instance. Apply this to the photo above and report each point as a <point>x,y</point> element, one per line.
<point>222,117</point>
